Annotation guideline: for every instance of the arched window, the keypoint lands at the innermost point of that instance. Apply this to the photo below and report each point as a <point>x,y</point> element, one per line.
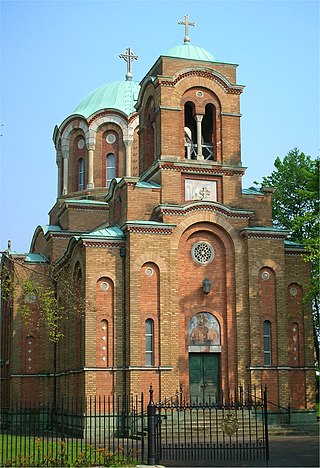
<point>208,130</point>
<point>267,343</point>
<point>80,174</point>
<point>110,168</point>
<point>149,335</point>
<point>190,131</point>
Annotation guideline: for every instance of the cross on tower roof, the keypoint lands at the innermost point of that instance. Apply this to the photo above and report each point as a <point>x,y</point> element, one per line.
<point>186,23</point>
<point>129,57</point>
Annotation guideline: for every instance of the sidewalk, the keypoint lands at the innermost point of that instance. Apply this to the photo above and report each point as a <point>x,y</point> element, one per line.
<point>292,451</point>
<point>285,451</point>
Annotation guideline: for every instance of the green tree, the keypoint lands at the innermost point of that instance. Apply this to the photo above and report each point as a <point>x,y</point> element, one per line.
<point>295,206</point>
<point>45,297</point>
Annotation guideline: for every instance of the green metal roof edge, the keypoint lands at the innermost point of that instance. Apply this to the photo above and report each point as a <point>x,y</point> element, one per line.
<point>253,191</point>
<point>266,229</point>
<point>104,232</point>
<point>150,185</point>
<point>36,258</point>
<point>295,245</point>
<point>137,222</point>
<point>50,228</point>
<point>84,202</point>
<point>30,257</point>
<point>58,229</point>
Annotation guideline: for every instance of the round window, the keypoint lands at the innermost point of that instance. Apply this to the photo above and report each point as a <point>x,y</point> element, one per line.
<point>265,275</point>
<point>81,143</point>
<point>111,138</point>
<point>293,291</point>
<point>202,252</point>
<point>104,286</point>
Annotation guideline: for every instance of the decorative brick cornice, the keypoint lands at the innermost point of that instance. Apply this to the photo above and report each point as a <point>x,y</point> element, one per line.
<point>165,231</point>
<point>200,169</point>
<point>203,206</point>
<point>294,253</point>
<point>65,235</point>
<point>256,234</point>
<point>86,207</point>
<point>102,245</point>
<point>228,88</point>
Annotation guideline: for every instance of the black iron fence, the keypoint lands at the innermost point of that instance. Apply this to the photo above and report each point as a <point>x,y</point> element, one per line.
<point>230,429</point>
<point>106,431</point>
<point>96,431</point>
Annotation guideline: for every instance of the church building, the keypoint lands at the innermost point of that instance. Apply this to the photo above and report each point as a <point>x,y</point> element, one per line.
<point>182,280</point>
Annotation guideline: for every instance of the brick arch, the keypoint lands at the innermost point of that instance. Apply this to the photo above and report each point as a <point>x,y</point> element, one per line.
<point>69,130</point>
<point>149,258</point>
<point>212,228</point>
<point>204,72</point>
<point>209,97</point>
<point>265,263</point>
<point>210,217</point>
<point>75,251</point>
<point>185,84</point>
<point>104,274</point>
<point>126,128</point>
<point>147,90</point>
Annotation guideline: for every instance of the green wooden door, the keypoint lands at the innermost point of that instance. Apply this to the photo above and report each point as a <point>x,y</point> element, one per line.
<point>204,376</point>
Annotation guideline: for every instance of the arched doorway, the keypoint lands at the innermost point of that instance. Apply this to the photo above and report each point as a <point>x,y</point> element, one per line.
<point>204,347</point>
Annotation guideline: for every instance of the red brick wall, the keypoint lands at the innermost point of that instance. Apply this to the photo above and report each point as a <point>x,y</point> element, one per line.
<point>268,312</point>
<point>104,322</point>
<point>219,302</point>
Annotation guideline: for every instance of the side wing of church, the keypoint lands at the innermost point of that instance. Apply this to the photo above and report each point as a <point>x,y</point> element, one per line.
<point>185,283</point>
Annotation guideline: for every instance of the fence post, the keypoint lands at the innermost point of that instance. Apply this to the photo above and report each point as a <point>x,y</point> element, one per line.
<point>289,413</point>
<point>265,404</point>
<point>151,430</point>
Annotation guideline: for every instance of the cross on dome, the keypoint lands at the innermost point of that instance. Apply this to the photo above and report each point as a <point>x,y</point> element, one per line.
<point>128,56</point>
<point>186,24</point>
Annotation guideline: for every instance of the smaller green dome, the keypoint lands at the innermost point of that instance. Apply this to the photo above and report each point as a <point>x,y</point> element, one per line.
<point>190,51</point>
<point>119,95</point>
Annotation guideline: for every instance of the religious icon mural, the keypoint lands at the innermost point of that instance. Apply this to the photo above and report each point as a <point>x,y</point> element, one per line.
<point>203,331</point>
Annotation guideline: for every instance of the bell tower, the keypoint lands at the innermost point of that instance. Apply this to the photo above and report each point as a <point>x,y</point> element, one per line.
<point>189,110</point>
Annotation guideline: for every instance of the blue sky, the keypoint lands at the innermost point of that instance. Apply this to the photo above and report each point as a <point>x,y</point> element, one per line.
<point>54,53</point>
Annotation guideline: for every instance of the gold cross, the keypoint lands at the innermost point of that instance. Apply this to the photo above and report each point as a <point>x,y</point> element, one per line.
<point>129,57</point>
<point>186,24</point>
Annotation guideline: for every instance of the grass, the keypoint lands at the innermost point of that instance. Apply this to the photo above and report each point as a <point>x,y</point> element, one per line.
<point>34,451</point>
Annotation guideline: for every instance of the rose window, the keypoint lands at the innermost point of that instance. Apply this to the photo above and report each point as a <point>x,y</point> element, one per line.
<point>202,252</point>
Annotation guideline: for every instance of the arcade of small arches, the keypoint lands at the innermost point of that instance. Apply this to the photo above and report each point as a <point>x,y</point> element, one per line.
<point>78,143</point>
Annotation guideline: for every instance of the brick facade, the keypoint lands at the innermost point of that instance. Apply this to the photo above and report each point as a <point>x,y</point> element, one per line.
<point>129,247</point>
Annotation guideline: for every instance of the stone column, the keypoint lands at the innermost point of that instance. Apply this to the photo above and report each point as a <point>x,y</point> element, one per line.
<point>90,184</point>
<point>154,141</point>
<point>59,164</point>
<point>128,145</point>
<point>199,118</point>
<point>65,156</point>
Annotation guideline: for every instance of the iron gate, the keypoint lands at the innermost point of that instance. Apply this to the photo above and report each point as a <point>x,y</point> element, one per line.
<point>220,432</point>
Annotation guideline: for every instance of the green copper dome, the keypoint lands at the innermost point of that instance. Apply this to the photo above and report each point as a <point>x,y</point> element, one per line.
<point>120,95</point>
<point>190,51</point>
